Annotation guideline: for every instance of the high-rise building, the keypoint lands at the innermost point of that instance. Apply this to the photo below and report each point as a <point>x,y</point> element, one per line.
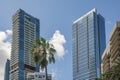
<point>25,31</point>
<point>38,76</point>
<point>7,69</point>
<point>88,37</point>
<point>112,52</point>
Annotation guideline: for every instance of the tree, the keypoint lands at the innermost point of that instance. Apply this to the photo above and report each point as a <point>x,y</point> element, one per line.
<point>43,53</point>
<point>98,79</point>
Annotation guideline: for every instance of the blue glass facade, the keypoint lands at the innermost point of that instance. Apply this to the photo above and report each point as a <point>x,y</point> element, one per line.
<point>25,31</point>
<point>7,69</point>
<point>88,36</point>
<point>21,47</point>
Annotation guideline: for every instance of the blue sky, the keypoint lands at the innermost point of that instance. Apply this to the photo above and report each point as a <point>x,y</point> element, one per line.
<point>59,15</point>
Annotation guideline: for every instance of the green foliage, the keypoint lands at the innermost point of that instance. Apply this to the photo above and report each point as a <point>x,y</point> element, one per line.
<point>43,52</point>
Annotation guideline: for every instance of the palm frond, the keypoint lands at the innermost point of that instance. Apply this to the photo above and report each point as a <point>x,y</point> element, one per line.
<point>52,50</point>
<point>36,57</point>
<point>41,49</point>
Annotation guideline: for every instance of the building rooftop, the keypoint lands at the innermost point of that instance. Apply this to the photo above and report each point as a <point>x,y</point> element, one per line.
<point>93,10</point>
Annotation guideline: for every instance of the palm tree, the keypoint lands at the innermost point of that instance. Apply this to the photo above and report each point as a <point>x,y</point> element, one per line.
<point>43,53</point>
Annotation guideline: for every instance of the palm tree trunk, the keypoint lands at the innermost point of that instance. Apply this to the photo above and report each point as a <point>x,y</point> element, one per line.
<point>46,73</point>
<point>46,70</point>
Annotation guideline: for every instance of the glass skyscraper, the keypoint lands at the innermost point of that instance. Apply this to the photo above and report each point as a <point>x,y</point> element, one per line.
<point>25,31</point>
<point>7,69</point>
<point>88,37</point>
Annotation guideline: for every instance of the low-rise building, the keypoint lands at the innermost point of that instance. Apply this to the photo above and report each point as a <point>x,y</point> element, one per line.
<point>38,76</point>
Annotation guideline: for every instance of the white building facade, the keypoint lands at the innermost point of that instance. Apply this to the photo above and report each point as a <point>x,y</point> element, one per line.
<point>38,76</point>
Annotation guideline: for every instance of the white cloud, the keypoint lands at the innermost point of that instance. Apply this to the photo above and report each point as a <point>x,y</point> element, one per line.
<point>9,32</point>
<point>58,40</point>
<point>3,36</point>
<point>5,50</point>
<point>53,73</point>
<point>56,74</point>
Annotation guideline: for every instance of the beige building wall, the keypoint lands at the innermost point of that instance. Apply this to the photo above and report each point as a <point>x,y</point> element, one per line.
<point>112,51</point>
<point>106,60</point>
